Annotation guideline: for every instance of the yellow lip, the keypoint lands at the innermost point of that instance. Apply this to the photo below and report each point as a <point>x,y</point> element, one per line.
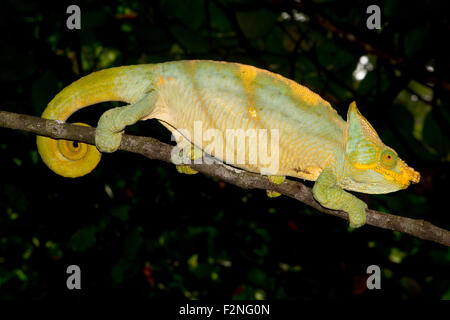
<point>404,178</point>
<point>407,175</point>
<point>412,175</point>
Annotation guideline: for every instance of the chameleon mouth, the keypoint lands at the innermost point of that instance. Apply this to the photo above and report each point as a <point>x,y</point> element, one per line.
<point>408,174</point>
<point>403,178</point>
<point>416,176</point>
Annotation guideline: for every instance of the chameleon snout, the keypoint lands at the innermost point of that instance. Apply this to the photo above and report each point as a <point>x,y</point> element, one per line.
<point>410,175</point>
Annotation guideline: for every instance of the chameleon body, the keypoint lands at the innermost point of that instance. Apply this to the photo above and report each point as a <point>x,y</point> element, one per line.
<point>314,142</point>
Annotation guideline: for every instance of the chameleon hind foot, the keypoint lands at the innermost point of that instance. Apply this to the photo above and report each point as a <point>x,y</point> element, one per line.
<point>272,194</point>
<point>106,139</point>
<point>275,180</point>
<point>185,169</point>
<point>192,153</point>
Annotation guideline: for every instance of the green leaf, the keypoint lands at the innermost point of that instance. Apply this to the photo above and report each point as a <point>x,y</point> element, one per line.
<point>396,255</point>
<point>193,41</point>
<point>133,243</point>
<point>118,270</point>
<point>334,57</point>
<point>15,64</point>
<point>255,24</point>
<point>257,277</point>
<point>203,271</point>
<point>190,12</point>
<point>193,262</point>
<point>121,212</point>
<point>403,118</point>
<point>434,136</point>
<point>92,21</point>
<point>43,90</point>
<point>21,275</point>
<point>415,39</point>
<point>152,39</point>
<point>218,19</point>
<point>446,296</point>
<point>83,239</point>
<point>16,197</point>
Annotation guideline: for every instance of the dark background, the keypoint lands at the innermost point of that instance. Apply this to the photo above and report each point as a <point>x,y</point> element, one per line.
<point>139,229</point>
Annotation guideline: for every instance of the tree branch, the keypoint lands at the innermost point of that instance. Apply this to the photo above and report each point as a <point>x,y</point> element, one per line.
<point>154,149</point>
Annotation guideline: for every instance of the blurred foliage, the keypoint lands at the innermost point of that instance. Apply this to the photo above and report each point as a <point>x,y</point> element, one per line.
<point>138,229</point>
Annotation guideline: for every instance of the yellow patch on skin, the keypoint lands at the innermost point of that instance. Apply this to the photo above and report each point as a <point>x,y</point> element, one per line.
<point>404,178</point>
<point>309,173</point>
<point>160,81</point>
<point>252,112</point>
<point>305,94</point>
<point>164,80</point>
<point>247,74</point>
<point>365,166</point>
<point>298,92</point>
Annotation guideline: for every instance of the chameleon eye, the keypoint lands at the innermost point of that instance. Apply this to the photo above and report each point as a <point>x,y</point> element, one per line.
<point>388,159</point>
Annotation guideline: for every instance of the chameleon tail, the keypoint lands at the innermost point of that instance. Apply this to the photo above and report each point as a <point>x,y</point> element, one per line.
<point>75,159</point>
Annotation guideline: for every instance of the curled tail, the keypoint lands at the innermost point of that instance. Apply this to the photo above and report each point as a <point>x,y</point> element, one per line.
<point>75,159</point>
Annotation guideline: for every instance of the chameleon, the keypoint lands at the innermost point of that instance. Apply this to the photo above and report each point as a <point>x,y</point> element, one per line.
<point>314,142</point>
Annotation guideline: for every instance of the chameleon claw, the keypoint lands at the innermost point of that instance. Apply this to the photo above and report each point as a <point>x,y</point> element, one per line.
<point>357,222</point>
<point>357,217</point>
<point>186,169</point>
<point>277,179</point>
<point>272,194</point>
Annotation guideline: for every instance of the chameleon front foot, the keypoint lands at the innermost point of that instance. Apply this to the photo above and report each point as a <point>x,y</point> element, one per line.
<point>357,215</point>
<point>331,196</point>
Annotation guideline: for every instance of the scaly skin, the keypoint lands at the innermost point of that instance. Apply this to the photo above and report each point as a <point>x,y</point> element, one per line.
<point>315,143</point>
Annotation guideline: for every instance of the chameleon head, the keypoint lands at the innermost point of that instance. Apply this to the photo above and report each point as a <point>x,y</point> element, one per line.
<point>370,166</point>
